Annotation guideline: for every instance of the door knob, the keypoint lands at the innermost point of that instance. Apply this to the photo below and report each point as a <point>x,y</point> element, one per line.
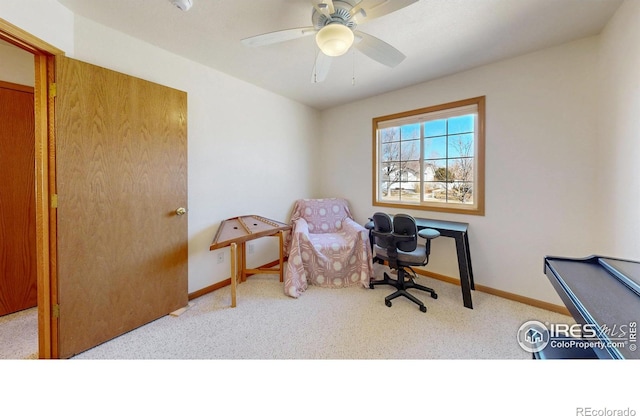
<point>181,211</point>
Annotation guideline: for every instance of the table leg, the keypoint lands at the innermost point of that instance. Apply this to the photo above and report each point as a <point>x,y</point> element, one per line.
<point>463,266</point>
<point>234,273</point>
<point>242,262</point>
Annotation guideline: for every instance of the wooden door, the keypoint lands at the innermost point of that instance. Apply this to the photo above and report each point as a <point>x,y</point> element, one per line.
<point>18,285</point>
<point>121,173</point>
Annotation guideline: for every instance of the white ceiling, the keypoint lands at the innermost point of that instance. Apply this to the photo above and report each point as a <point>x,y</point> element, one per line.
<point>439,37</point>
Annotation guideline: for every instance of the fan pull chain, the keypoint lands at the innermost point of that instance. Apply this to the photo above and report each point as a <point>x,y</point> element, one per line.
<point>353,77</point>
<point>315,69</point>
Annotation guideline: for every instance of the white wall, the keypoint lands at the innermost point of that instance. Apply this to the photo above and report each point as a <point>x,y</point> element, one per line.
<point>619,133</point>
<point>540,159</point>
<point>249,151</point>
<point>45,19</point>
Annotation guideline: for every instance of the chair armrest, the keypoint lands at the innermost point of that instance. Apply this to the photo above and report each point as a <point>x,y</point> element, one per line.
<point>429,233</point>
<point>349,223</point>
<point>300,226</point>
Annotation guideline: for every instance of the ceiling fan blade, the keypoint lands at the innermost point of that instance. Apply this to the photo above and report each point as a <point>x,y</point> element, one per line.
<point>324,6</point>
<point>279,36</point>
<point>378,50</point>
<point>321,68</point>
<point>371,9</point>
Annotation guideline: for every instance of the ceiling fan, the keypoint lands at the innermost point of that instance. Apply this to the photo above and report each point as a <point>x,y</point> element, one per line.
<point>334,25</point>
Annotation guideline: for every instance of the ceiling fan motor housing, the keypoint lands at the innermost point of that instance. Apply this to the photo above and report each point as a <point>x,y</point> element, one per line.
<point>341,15</point>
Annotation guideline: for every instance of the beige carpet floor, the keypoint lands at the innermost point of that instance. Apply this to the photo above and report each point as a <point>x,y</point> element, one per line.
<point>350,323</point>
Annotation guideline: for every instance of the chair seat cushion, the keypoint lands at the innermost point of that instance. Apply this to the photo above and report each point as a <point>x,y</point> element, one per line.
<point>331,250</point>
<point>332,260</point>
<point>412,258</point>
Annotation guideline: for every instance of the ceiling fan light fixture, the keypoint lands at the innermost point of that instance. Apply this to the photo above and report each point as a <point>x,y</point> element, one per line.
<point>334,39</point>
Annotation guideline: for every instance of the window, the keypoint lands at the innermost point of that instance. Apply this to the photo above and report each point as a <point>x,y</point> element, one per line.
<point>431,158</point>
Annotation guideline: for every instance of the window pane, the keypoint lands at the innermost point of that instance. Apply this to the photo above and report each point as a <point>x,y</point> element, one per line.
<point>410,173</point>
<point>462,124</point>
<point>432,193</point>
<point>410,191</point>
<point>410,131</point>
<point>461,169</point>
<point>404,191</point>
<point>435,147</point>
<point>386,193</point>
<point>390,172</point>
<point>435,191</point>
<point>390,151</point>
<point>462,192</point>
<point>435,128</point>
<point>436,170</point>
<point>461,145</point>
<point>411,170</point>
<point>389,135</point>
<point>410,150</point>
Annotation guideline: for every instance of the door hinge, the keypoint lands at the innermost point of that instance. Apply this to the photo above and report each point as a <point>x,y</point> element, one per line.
<point>54,201</point>
<point>53,90</point>
<point>55,311</point>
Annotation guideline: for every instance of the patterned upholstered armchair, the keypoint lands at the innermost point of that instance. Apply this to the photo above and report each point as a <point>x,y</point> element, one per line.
<point>326,247</point>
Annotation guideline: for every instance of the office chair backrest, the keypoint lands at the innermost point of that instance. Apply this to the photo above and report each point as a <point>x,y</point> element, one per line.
<point>382,223</point>
<point>406,225</point>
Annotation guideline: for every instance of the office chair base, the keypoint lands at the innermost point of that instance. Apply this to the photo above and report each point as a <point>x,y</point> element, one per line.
<point>422,307</point>
<point>402,287</point>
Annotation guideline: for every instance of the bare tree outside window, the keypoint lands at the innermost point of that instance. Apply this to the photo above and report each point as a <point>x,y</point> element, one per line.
<point>400,164</point>
<point>390,158</point>
<point>462,170</point>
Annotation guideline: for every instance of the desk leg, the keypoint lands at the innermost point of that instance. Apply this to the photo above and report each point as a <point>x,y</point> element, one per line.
<point>466,245</point>
<point>234,273</point>
<point>463,267</point>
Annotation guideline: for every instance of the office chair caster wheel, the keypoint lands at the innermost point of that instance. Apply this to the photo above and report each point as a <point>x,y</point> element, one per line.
<point>388,303</point>
<point>434,295</point>
<point>423,309</point>
<point>370,285</point>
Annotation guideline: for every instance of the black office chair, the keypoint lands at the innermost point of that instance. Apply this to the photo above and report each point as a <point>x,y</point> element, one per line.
<point>396,242</point>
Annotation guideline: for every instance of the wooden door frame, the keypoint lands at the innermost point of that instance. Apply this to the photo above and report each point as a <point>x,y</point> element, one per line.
<point>44,59</point>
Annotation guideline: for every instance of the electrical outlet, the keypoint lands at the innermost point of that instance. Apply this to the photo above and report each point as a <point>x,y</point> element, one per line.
<point>220,257</point>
